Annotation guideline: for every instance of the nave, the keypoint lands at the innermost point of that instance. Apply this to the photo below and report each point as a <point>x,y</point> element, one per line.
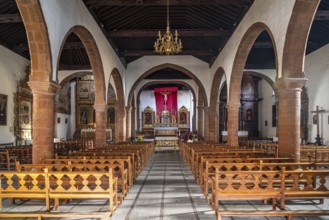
<point>165,190</point>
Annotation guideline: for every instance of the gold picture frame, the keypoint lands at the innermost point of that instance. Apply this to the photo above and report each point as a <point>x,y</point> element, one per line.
<point>3,109</point>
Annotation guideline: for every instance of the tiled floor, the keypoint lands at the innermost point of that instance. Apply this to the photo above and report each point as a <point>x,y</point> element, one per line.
<point>166,190</point>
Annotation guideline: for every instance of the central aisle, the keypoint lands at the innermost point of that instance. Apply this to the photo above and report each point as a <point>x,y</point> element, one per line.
<point>165,190</point>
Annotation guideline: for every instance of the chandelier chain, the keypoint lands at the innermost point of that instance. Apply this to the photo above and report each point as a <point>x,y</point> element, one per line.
<point>167,43</point>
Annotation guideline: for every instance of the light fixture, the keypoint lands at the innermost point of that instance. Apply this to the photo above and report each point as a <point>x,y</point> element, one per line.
<point>167,43</point>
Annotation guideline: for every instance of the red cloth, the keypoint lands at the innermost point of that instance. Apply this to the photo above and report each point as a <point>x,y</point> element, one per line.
<point>171,100</point>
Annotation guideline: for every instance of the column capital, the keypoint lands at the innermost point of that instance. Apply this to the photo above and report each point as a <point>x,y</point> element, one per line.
<point>290,83</point>
<point>44,87</point>
<point>128,108</point>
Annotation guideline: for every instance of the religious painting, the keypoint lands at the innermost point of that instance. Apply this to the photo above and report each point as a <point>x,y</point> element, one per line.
<point>3,109</point>
<point>84,114</point>
<point>110,115</point>
<point>183,117</point>
<point>64,99</point>
<point>25,114</point>
<point>249,114</point>
<point>148,117</point>
<point>85,91</point>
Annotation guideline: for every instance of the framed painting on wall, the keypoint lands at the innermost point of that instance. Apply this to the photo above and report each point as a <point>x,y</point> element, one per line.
<point>3,109</point>
<point>85,91</point>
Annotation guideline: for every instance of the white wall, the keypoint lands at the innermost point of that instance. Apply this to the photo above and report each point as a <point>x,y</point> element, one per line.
<point>197,67</point>
<point>12,69</point>
<point>62,130</point>
<point>61,16</point>
<point>317,72</point>
<point>265,109</point>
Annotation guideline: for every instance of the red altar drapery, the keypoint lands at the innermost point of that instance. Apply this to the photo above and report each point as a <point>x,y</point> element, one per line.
<point>171,100</point>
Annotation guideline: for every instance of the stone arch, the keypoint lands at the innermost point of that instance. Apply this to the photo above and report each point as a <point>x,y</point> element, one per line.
<point>74,75</point>
<point>296,38</point>
<point>293,77</point>
<point>213,125</point>
<point>237,71</point>
<point>38,40</point>
<point>120,122</point>
<point>43,89</point>
<point>95,59</point>
<point>99,80</point>
<point>266,78</point>
<point>172,66</point>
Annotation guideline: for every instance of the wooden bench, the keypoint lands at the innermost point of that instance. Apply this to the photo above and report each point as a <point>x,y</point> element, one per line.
<point>59,185</point>
<point>210,159</point>
<point>41,215</point>
<point>118,171</point>
<point>126,160</point>
<point>288,214</point>
<point>212,168</point>
<point>261,185</point>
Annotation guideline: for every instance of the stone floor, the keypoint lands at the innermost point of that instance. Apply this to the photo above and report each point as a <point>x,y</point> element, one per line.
<point>166,190</point>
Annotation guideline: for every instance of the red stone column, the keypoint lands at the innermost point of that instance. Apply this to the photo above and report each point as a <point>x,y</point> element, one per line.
<point>213,123</point>
<point>128,122</point>
<point>133,122</point>
<point>120,125</point>
<point>289,116</point>
<point>200,122</point>
<point>206,122</point>
<point>100,130</point>
<point>233,124</point>
<point>43,119</point>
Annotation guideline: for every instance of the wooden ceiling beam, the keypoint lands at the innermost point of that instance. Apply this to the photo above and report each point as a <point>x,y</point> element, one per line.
<point>154,33</point>
<point>10,18</point>
<point>322,15</point>
<point>99,3</point>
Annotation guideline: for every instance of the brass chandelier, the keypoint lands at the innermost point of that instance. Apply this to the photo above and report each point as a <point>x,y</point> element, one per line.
<point>167,43</point>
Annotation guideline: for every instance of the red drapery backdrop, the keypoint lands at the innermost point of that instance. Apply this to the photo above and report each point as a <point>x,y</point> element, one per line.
<point>171,100</point>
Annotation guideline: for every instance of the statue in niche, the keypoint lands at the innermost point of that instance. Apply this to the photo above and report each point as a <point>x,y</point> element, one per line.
<point>157,118</point>
<point>173,119</point>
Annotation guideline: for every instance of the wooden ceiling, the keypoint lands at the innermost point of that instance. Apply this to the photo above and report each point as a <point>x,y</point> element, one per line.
<point>131,27</point>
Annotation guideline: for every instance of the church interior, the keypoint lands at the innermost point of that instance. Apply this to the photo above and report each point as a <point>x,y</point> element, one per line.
<point>164,109</point>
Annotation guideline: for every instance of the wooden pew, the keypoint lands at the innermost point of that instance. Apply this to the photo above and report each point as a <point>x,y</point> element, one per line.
<point>261,185</point>
<point>118,171</point>
<point>126,160</point>
<point>83,185</point>
<point>59,185</point>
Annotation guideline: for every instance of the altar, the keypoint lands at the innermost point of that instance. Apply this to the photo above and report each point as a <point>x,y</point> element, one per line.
<point>166,136</point>
<point>90,134</point>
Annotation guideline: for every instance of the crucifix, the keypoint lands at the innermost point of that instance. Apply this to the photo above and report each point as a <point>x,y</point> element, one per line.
<point>316,119</point>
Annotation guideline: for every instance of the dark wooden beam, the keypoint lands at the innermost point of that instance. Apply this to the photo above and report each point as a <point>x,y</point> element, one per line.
<point>99,3</point>
<point>322,15</point>
<point>265,44</point>
<point>154,33</point>
<point>74,67</point>
<point>10,18</point>
<point>139,53</point>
